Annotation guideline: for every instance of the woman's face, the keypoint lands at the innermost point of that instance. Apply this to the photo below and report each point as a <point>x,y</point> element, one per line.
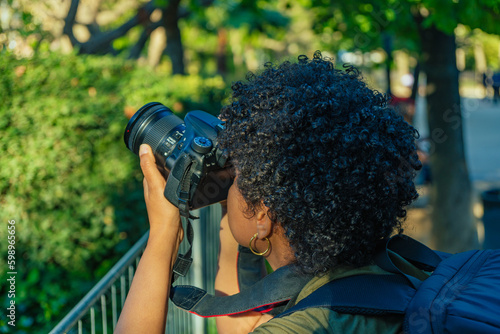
<point>242,227</point>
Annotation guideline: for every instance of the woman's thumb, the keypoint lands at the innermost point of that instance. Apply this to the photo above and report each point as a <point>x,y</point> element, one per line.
<point>148,165</point>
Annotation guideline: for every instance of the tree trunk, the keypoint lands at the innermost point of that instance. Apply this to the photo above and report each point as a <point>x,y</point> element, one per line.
<point>387,41</point>
<point>414,86</point>
<point>174,48</point>
<point>222,52</point>
<point>453,227</point>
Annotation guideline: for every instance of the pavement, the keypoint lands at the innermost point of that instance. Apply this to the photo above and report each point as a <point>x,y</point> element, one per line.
<point>481,125</point>
<point>482,140</point>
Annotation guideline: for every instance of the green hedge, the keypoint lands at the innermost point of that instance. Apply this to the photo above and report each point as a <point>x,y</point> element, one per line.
<point>66,177</point>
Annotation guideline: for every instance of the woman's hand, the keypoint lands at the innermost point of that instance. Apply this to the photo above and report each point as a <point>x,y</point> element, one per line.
<point>162,214</point>
<point>145,309</point>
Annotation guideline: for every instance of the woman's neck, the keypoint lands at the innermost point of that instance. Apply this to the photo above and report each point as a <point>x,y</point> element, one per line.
<point>281,253</point>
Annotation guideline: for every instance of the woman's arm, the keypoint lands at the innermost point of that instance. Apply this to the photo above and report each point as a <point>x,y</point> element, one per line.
<point>226,283</point>
<point>145,309</point>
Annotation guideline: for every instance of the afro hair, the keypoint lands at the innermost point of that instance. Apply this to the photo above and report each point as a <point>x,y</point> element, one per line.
<point>326,154</point>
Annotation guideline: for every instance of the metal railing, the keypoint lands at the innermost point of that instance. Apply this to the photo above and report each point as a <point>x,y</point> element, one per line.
<point>98,311</point>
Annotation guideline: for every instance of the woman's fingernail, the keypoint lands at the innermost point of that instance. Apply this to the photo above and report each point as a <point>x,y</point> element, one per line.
<point>144,149</point>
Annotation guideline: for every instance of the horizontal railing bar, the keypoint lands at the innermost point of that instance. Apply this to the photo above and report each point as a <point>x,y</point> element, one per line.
<point>105,283</point>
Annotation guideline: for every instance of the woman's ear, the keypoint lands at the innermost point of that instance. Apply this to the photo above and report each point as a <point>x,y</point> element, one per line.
<point>264,223</point>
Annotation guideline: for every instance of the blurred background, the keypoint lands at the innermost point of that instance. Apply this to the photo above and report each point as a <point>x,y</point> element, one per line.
<point>73,71</point>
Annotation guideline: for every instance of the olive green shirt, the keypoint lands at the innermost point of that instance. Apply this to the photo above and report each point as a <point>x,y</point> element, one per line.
<point>323,320</point>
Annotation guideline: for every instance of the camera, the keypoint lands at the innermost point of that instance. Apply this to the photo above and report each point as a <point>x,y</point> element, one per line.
<point>186,152</point>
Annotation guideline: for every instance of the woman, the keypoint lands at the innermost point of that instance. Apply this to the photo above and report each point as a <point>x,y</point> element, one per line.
<point>323,171</point>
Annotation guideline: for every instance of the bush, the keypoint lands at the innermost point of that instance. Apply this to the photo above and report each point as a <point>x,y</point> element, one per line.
<point>66,177</point>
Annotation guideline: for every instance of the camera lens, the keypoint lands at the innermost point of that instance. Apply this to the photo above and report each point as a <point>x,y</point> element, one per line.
<point>155,125</point>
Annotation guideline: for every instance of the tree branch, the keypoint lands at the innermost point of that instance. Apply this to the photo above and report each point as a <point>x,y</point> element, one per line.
<point>69,22</point>
<point>101,43</point>
<point>135,52</point>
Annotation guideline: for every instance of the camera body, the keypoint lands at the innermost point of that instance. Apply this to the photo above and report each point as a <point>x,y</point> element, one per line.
<point>187,154</point>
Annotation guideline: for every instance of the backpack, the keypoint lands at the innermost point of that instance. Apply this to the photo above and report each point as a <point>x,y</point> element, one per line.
<point>460,295</point>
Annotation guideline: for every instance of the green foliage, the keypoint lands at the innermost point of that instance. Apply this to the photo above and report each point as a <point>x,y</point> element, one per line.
<point>483,14</point>
<point>362,24</point>
<point>491,46</point>
<point>66,177</point>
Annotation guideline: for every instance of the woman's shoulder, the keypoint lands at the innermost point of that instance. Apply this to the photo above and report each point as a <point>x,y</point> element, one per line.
<point>323,320</point>
<point>319,320</point>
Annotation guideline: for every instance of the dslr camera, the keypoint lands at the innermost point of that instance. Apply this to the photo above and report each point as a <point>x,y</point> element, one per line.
<point>186,152</point>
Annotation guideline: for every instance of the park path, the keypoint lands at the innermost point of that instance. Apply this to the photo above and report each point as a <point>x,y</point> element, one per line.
<point>481,124</point>
<point>482,139</point>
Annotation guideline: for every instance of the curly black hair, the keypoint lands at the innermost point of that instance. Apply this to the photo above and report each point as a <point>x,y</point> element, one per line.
<point>328,157</point>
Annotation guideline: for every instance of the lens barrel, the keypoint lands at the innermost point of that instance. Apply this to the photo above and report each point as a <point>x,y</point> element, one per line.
<point>155,125</point>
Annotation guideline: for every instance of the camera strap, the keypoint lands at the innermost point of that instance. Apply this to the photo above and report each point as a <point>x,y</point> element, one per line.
<point>183,261</point>
<point>185,190</point>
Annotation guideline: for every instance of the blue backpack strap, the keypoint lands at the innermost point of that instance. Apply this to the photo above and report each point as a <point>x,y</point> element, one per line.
<point>270,294</point>
<point>376,294</point>
<point>370,294</point>
<point>413,251</point>
<point>416,252</point>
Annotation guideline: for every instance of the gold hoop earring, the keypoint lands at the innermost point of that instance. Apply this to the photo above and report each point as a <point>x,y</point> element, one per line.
<point>256,253</point>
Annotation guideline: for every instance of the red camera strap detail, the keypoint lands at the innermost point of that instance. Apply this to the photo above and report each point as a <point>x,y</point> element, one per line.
<point>261,309</point>
<point>270,294</point>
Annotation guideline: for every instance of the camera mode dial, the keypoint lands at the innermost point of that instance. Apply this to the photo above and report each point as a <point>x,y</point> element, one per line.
<point>201,145</point>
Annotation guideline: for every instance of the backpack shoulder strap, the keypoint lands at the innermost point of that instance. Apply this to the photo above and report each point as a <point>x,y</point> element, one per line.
<point>370,294</point>
<point>421,256</point>
<point>376,294</point>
